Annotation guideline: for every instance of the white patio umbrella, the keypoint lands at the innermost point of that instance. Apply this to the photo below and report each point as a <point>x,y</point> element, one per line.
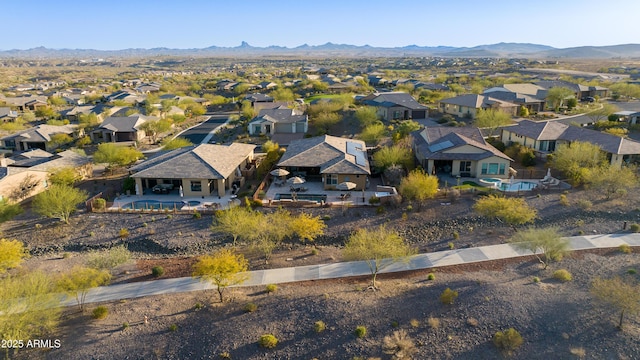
<point>181,191</point>
<point>548,173</point>
<point>137,189</point>
<point>296,180</point>
<point>279,172</point>
<point>347,185</point>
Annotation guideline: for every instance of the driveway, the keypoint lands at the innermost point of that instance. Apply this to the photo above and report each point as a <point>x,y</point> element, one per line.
<point>198,134</point>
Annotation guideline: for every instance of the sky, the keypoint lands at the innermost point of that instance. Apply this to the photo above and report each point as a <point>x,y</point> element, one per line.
<point>184,24</point>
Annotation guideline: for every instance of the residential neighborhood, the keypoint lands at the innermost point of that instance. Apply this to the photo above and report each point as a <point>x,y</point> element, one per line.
<point>267,202</point>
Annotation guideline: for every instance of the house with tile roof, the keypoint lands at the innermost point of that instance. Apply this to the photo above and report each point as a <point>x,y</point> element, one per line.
<point>25,103</point>
<point>459,152</point>
<point>38,137</point>
<point>396,106</point>
<point>533,103</point>
<point>26,174</point>
<point>8,115</point>
<point>121,129</point>
<point>329,159</point>
<point>579,91</point>
<point>469,105</point>
<point>201,170</point>
<point>544,138</point>
<point>280,120</point>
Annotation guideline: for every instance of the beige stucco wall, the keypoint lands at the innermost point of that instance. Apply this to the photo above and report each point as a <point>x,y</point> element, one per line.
<point>493,159</point>
<point>359,180</point>
<point>11,183</point>
<point>465,149</point>
<point>457,110</point>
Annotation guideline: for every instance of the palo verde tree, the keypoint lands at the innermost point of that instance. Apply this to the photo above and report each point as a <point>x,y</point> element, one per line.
<point>513,211</point>
<point>80,280</point>
<point>59,201</point>
<point>576,158</point>
<point>544,241</point>
<point>115,155</point>
<point>491,119</point>
<point>419,186</point>
<point>379,248</point>
<point>64,176</point>
<point>307,227</point>
<point>237,221</point>
<point>623,295</point>
<point>223,269</point>
<point>556,96</point>
<point>611,179</point>
<point>176,143</point>
<point>9,210</point>
<point>12,253</point>
<point>393,155</point>
<point>367,115</point>
<point>602,112</point>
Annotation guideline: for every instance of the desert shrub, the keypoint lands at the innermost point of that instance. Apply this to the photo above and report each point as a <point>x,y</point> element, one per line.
<point>536,279</point>
<point>414,323</point>
<point>625,249</point>
<point>124,232</point>
<point>431,276</point>
<point>100,312</point>
<point>584,204</point>
<point>271,288</point>
<point>66,255</point>
<point>580,352</point>
<point>507,340</point>
<point>399,345</point>
<point>125,325</point>
<point>562,275</point>
<point>197,215</point>
<point>496,143</point>
<point>250,307</point>
<point>452,246</point>
<point>360,331</point>
<point>448,296</point>
<point>563,200</point>
<point>225,355</point>
<point>579,223</point>
<point>157,271</point>
<point>395,324</point>
<point>634,228</point>
<point>198,306</point>
<point>374,200</point>
<point>528,158</point>
<point>380,210</point>
<point>108,259</point>
<point>315,251</point>
<point>319,326</point>
<point>99,204</point>
<point>268,341</point>
<point>409,207</point>
<point>472,322</point>
<point>173,327</point>
<point>456,235</point>
<point>326,217</point>
<point>434,323</point>
<point>632,271</point>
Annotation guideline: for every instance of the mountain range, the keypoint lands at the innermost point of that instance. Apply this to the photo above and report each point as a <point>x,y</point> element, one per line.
<point>512,50</point>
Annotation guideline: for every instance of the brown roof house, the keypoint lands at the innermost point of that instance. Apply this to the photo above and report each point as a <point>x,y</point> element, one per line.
<point>278,121</point>
<point>468,105</point>
<point>396,106</point>
<point>459,152</point>
<point>544,137</point>
<point>26,174</point>
<point>121,129</point>
<point>38,137</point>
<point>331,159</point>
<point>201,170</point>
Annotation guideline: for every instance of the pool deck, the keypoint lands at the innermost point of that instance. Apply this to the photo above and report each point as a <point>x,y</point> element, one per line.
<point>358,197</point>
<point>206,202</point>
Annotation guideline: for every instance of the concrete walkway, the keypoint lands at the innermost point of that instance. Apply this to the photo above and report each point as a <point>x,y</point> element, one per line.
<point>348,269</point>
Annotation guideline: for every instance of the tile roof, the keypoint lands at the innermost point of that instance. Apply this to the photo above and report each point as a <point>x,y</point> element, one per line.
<point>41,133</point>
<point>331,154</point>
<point>476,101</point>
<point>280,115</point>
<point>125,124</point>
<point>435,142</point>
<point>396,98</point>
<point>204,161</point>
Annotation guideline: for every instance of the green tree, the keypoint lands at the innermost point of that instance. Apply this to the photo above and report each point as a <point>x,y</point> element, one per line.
<point>237,221</point>
<point>393,155</point>
<point>523,112</point>
<point>283,94</point>
<point>29,308</point>
<point>176,143</point>
<point>273,155</point>
<point>248,111</point>
<point>547,241</point>
<point>379,248</point>
<point>12,253</point>
<point>9,210</point>
<point>610,179</point>
<point>59,201</point>
<point>576,158</point>
<point>556,96</point>
<point>623,295</point>
<point>603,112</point>
<point>491,119</point>
<point>155,128</point>
<point>325,120</point>
<point>419,186</point>
<point>60,139</point>
<point>372,134</point>
<point>223,269</point>
<point>64,176</point>
<point>513,211</point>
<point>83,141</point>
<point>404,128</point>
<point>367,115</point>
<point>270,230</point>
<point>80,280</point>
<point>46,112</point>
<point>115,155</point>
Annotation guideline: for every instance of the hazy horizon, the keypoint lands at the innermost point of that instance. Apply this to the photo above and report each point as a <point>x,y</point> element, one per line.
<point>196,24</point>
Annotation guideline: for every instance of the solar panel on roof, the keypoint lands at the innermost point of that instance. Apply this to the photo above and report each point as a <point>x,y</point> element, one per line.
<point>440,146</point>
<point>357,151</point>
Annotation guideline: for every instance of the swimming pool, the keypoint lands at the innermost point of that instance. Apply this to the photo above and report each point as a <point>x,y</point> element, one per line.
<point>309,197</point>
<point>517,186</point>
<point>491,182</point>
<point>159,205</point>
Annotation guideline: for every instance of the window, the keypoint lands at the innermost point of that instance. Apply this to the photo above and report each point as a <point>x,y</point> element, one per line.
<point>196,186</point>
<point>332,179</point>
<point>465,166</point>
<point>493,169</point>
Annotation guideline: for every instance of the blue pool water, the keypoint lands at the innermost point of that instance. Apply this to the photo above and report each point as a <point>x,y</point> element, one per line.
<point>310,197</point>
<point>517,186</point>
<point>158,205</point>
